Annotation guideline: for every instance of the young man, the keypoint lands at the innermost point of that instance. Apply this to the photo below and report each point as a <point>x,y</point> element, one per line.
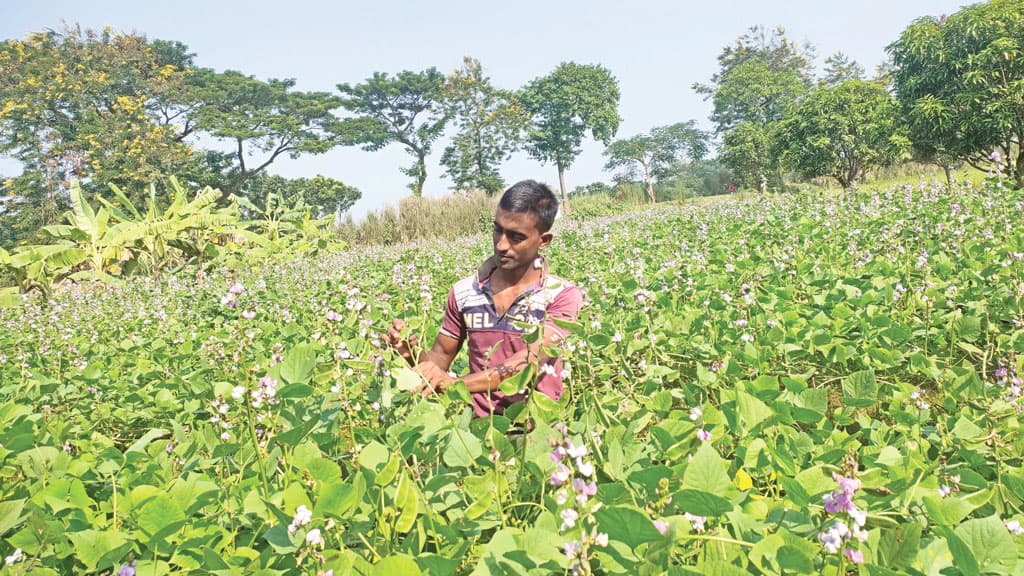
<point>512,287</point>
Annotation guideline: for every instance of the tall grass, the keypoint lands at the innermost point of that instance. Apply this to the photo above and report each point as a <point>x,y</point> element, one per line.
<point>415,218</point>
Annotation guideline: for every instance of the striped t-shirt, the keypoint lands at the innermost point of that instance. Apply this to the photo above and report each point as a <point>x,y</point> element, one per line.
<point>471,316</point>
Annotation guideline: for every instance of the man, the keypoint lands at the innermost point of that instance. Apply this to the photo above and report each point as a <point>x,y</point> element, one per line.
<point>488,309</point>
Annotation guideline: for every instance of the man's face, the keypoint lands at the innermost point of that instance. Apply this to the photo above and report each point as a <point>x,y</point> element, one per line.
<point>517,239</point>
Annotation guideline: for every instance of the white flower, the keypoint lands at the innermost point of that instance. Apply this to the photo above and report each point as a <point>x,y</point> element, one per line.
<point>302,517</point>
<point>569,517</point>
<point>601,539</point>
<point>313,538</point>
<point>586,468</point>
<point>1015,528</point>
<point>616,338</point>
<point>238,392</point>
<point>15,557</point>
<point>696,413</point>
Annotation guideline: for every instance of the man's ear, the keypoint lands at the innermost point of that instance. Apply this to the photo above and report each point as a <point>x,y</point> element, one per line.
<point>545,239</point>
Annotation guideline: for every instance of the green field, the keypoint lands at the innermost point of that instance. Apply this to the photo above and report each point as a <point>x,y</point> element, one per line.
<point>795,384</point>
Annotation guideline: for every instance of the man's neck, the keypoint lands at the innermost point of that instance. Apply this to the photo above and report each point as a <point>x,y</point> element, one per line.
<point>524,276</point>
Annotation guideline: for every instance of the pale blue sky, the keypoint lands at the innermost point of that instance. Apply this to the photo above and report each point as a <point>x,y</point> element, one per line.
<point>656,49</point>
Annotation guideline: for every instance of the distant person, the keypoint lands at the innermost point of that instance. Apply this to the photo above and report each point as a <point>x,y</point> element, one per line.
<point>512,286</point>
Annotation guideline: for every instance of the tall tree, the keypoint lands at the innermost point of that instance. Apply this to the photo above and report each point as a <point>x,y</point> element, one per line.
<point>489,123</point>
<point>759,77</point>
<point>958,81</point>
<point>657,153</point>
<point>839,68</point>
<point>262,120</point>
<point>564,106</point>
<point>841,131</point>
<point>84,104</point>
<point>407,108</point>
<point>332,197</point>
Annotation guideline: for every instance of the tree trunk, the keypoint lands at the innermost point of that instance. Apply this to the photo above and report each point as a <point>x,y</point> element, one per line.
<point>1018,167</point>
<point>561,186</point>
<point>650,191</point>
<point>949,177</point>
<point>421,173</point>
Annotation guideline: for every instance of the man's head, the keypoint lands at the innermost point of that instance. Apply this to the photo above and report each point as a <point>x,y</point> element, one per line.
<point>522,224</point>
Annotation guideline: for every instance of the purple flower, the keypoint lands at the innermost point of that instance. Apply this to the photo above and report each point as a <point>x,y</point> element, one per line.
<point>248,314</point>
<point>855,556</point>
<point>661,526</point>
<point>126,570</point>
<point>560,475</point>
<point>333,316</point>
<point>569,517</point>
<point>236,288</point>
<point>697,522</point>
<point>703,435</point>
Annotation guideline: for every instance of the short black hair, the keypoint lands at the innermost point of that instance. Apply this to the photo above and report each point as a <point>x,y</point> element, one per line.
<point>533,197</point>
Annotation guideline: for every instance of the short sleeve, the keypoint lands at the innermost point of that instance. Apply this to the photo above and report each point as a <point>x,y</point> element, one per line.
<point>452,325</point>
<point>565,306</point>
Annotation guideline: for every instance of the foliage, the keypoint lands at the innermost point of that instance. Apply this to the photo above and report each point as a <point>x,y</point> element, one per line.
<point>256,116</point>
<point>759,78</point>
<point>958,80</point>
<point>839,68</point>
<point>841,131</point>
<point>407,109</point>
<point>86,104</point>
<point>489,123</point>
<point>657,153</point>
<point>330,197</point>
<point>746,375</point>
<point>564,106</point>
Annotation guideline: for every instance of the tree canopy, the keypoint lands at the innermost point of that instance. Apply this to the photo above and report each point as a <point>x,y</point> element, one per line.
<point>575,99</point>
<point>406,108</point>
<point>489,124</point>
<point>656,153</point>
<point>841,131</point>
<point>959,83</point>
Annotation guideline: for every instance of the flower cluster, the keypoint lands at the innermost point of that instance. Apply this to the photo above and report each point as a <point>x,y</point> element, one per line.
<point>839,535</point>
<point>231,298</point>
<point>14,558</point>
<point>576,488</point>
<point>1006,377</point>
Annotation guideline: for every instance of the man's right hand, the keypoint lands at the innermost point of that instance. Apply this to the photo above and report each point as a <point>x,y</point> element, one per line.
<point>403,346</point>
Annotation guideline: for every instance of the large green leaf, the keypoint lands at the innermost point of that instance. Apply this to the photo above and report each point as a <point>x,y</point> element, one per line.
<point>860,389</point>
<point>706,472</point>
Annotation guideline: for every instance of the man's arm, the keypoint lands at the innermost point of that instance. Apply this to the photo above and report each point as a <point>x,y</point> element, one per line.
<point>491,378</point>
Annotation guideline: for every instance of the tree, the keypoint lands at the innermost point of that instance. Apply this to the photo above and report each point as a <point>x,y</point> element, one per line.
<point>656,153</point>
<point>839,68</point>
<point>490,123</point>
<point>759,77</point>
<point>331,196</point>
<point>841,131</point>
<point>261,117</point>
<point>84,104</point>
<point>564,106</point>
<point>958,81</point>
<point>406,108</point>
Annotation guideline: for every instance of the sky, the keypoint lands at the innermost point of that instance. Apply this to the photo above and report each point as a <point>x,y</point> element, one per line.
<point>656,49</point>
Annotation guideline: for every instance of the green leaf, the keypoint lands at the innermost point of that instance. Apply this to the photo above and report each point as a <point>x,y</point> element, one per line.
<point>898,548</point>
<point>701,503</point>
<point>706,472</point>
<point>947,511</point>
<point>161,516</point>
<point>752,411</point>
<point>99,550</point>
<point>336,498</point>
<point>10,514</point>
<point>990,543</point>
<point>395,565</point>
<point>295,391</point>
<point>627,525</point>
<point>963,556</point>
<point>298,365</point>
<point>860,389</point>
<point>462,450</point>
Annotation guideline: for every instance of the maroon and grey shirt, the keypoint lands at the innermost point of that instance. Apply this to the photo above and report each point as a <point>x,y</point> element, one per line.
<point>471,316</point>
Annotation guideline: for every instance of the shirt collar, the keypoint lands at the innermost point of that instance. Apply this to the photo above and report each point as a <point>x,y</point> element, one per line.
<point>483,274</point>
